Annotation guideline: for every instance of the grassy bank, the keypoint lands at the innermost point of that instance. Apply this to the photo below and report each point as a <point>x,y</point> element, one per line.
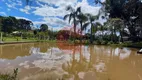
<point>10,40</point>
<point>13,40</point>
<point>16,39</point>
<point>109,43</point>
<point>133,45</point>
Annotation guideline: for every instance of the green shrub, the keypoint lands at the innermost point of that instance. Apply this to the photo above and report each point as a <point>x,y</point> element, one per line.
<point>111,42</point>
<point>103,42</point>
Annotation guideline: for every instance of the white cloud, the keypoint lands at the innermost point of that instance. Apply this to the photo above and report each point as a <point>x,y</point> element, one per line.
<point>86,8</point>
<point>50,9</point>
<point>11,5</point>
<point>47,10</point>
<point>3,13</point>
<point>17,17</point>
<point>19,2</point>
<point>55,21</point>
<point>60,2</point>
<point>26,9</point>
<point>52,21</point>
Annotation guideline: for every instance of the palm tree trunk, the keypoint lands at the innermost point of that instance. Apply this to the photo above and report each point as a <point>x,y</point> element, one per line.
<point>74,29</point>
<point>81,32</point>
<point>91,37</point>
<point>121,33</point>
<point>112,38</point>
<point>102,32</point>
<point>121,36</point>
<point>114,31</point>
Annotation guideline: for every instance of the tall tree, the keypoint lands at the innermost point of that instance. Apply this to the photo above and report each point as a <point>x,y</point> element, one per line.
<point>81,20</point>
<point>91,19</point>
<point>117,26</point>
<point>24,24</point>
<point>72,15</point>
<point>9,24</point>
<point>44,27</point>
<point>99,27</point>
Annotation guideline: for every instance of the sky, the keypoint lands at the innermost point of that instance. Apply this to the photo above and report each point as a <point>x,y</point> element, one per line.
<point>50,12</point>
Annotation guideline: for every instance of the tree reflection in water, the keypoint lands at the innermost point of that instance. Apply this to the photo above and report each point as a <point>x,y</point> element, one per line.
<point>77,68</point>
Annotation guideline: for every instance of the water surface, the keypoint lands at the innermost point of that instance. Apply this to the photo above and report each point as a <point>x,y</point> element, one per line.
<point>53,61</point>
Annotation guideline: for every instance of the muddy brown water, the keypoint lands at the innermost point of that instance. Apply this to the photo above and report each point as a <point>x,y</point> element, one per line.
<point>54,61</point>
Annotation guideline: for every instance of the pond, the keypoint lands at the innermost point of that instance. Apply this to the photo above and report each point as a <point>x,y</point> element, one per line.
<point>54,61</point>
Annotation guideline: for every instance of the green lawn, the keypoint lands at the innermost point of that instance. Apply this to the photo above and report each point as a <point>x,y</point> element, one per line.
<point>16,39</point>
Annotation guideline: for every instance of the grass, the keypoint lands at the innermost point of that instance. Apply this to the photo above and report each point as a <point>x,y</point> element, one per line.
<point>50,41</point>
<point>16,39</point>
<point>128,44</point>
<point>85,42</point>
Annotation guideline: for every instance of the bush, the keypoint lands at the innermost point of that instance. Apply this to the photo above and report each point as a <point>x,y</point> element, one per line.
<point>104,42</point>
<point>111,42</point>
<point>86,42</point>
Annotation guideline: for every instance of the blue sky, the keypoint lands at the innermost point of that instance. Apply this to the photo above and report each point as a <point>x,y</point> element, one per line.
<point>49,12</point>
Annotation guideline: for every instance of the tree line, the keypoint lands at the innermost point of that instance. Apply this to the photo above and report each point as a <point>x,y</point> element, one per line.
<point>129,13</point>
<point>10,24</point>
<point>12,27</point>
<point>124,20</point>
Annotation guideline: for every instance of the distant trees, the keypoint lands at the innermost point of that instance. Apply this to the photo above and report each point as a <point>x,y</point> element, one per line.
<point>129,11</point>
<point>10,24</point>
<point>24,24</point>
<point>42,32</point>
<point>43,27</point>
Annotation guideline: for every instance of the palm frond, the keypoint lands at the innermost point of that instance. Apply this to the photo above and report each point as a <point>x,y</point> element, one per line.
<point>70,17</point>
<point>82,17</point>
<point>78,10</point>
<point>98,24</point>
<point>87,14</point>
<point>94,17</point>
<point>85,25</point>
<point>70,8</point>
<point>66,16</point>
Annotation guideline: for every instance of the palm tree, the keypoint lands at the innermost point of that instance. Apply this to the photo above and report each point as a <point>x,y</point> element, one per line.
<point>72,15</point>
<point>116,25</point>
<point>99,27</point>
<point>81,19</point>
<point>91,19</point>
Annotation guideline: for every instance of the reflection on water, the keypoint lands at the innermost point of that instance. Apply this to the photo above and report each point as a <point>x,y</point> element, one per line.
<point>44,61</point>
